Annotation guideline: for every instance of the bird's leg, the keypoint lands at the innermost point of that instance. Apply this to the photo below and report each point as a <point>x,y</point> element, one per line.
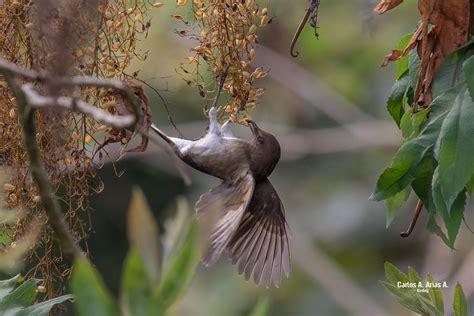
<point>214,126</point>
<point>225,129</point>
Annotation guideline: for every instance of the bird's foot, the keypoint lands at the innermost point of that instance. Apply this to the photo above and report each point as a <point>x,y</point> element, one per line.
<point>214,127</point>
<point>225,129</point>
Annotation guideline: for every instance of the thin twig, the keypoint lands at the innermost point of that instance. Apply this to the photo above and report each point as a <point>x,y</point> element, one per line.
<point>28,99</point>
<point>220,85</point>
<point>13,70</point>
<point>165,104</point>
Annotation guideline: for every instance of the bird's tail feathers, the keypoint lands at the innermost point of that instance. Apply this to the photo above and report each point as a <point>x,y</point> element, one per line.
<point>260,245</point>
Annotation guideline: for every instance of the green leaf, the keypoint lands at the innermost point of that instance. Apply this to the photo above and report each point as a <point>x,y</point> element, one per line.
<point>401,172</point>
<point>6,236</point>
<point>394,204</point>
<point>181,268</point>
<point>396,99</point>
<point>92,297</point>
<point>43,308</point>
<point>423,180</point>
<point>456,153</point>
<point>262,308</point>
<point>417,121</point>
<point>136,287</point>
<point>410,297</point>
<point>405,296</point>
<point>470,186</point>
<point>422,185</point>
<point>411,123</point>
<point>405,162</point>
<point>436,295</point>
<point>143,234</point>
<point>405,124</point>
<point>413,67</point>
<point>468,69</point>
<point>427,306</point>
<point>394,274</point>
<point>459,301</point>
<point>442,104</point>
<point>19,300</point>
<point>402,63</point>
<point>452,218</point>
<point>413,276</point>
<point>450,73</point>
<point>23,296</point>
<point>433,227</point>
<point>175,226</point>
<point>7,286</point>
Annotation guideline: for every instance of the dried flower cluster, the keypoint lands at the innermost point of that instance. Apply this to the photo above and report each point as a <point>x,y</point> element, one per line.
<point>227,35</point>
<point>64,38</point>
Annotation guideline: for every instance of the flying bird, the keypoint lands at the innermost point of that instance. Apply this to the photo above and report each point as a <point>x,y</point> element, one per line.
<point>251,225</point>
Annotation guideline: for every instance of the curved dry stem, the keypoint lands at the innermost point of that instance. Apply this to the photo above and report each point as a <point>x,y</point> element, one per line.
<point>418,208</point>
<point>314,4</point>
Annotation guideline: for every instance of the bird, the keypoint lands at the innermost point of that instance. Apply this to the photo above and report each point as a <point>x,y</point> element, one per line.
<point>251,225</point>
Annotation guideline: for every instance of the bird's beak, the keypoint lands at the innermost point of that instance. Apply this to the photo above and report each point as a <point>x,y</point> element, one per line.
<point>253,127</point>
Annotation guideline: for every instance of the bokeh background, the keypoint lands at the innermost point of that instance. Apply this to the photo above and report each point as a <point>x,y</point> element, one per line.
<point>327,108</point>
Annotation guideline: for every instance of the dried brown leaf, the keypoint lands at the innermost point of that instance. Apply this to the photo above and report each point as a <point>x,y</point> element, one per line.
<point>451,24</point>
<point>146,119</point>
<point>385,5</point>
<point>394,55</point>
<point>450,29</point>
<point>444,26</point>
<point>122,108</point>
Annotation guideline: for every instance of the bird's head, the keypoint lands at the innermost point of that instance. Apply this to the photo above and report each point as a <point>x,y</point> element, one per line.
<point>265,151</point>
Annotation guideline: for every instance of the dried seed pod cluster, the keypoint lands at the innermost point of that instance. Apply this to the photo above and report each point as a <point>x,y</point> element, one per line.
<point>66,39</point>
<point>227,35</point>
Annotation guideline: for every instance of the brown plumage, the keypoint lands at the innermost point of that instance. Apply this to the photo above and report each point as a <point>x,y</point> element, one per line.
<point>251,224</point>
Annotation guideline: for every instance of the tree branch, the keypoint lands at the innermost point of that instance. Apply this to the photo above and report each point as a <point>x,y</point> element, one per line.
<point>35,100</point>
<point>85,81</point>
<point>48,198</point>
<point>28,99</point>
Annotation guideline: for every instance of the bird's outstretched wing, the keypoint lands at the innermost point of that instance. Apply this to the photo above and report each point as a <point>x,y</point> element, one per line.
<point>230,199</point>
<point>261,243</point>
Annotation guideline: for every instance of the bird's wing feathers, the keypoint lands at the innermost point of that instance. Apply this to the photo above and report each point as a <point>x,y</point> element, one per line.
<point>261,243</point>
<point>231,198</point>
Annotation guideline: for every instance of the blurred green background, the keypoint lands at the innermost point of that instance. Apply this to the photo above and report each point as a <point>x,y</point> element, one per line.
<point>327,108</point>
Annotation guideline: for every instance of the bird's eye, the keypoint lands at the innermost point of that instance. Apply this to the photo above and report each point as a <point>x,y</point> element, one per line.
<point>260,139</point>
